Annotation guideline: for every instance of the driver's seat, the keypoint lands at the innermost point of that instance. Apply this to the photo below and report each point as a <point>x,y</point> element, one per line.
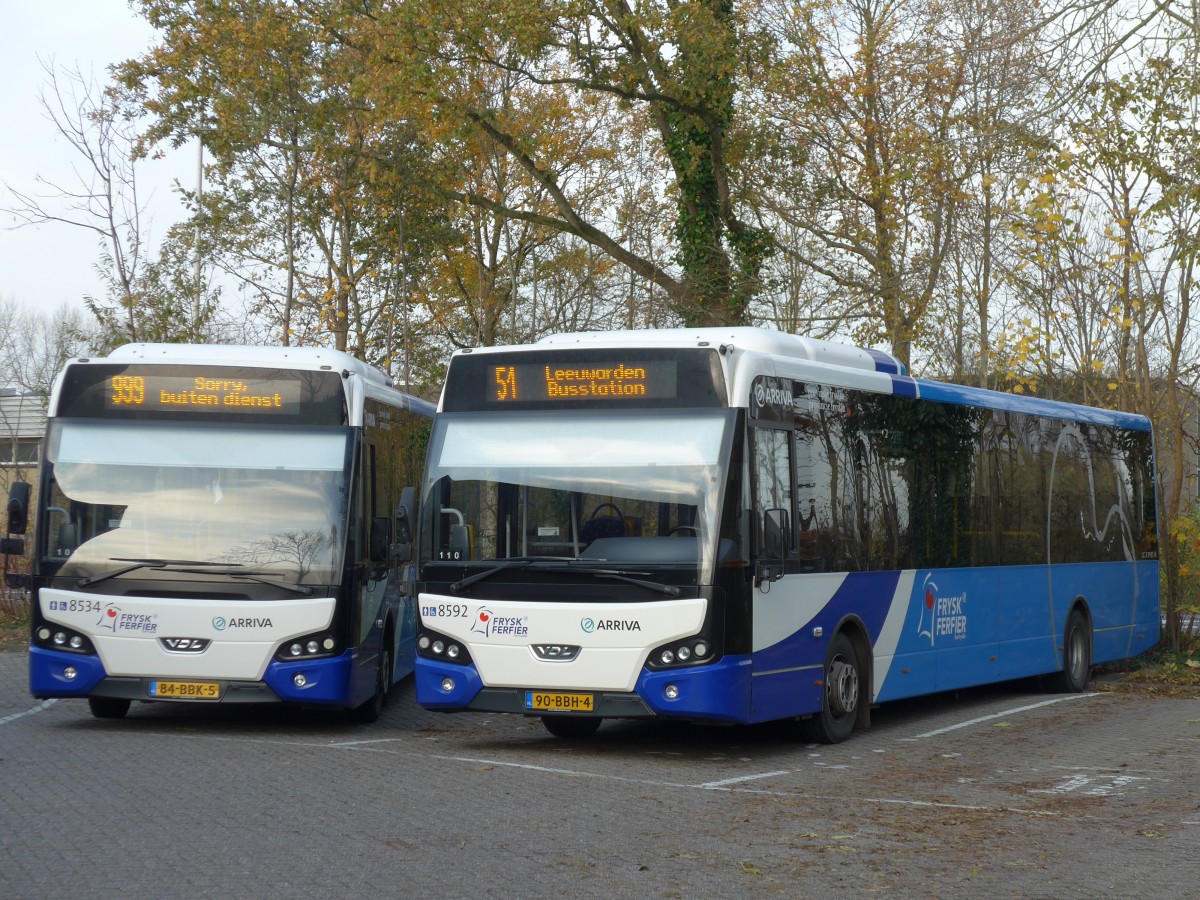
<point>601,527</point>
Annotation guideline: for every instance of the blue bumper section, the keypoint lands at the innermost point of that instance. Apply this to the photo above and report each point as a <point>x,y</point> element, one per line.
<point>720,691</point>
<point>430,694</point>
<point>48,673</point>
<point>327,681</point>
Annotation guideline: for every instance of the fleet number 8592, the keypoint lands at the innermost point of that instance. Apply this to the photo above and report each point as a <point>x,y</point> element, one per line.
<point>445,611</point>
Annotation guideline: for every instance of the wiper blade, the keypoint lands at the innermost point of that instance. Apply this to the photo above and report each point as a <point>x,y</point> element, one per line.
<point>669,590</point>
<point>564,564</point>
<point>136,564</point>
<point>302,589</point>
<point>513,562</point>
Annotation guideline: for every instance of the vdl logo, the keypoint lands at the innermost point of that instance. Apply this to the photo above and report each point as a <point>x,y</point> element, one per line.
<point>219,623</point>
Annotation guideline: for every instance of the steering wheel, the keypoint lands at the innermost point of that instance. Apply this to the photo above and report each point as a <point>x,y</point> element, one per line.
<point>609,506</point>
<point>684,528</point>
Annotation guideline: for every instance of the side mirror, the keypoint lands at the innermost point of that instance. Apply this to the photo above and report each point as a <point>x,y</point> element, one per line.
<point>18,507</point>
<point>776,541</point>
<point>776,534</point>
<point>405,513</point>
<point>381,539</point>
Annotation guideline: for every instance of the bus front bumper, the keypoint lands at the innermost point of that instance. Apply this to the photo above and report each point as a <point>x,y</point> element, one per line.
<point>325,682</point>
<point>717,691</point>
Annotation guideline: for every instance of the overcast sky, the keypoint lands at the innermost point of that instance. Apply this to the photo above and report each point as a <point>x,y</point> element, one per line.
<point>46,266</point>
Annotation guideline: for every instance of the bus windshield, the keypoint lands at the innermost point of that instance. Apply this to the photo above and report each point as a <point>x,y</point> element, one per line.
<point>235,499</point>
<point>628,489</point>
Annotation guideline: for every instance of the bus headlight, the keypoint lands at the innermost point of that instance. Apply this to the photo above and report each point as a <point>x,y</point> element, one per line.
<point>691,651</point>
<point>62,639</point>
<point>311,646</point>
<point>431,645</point>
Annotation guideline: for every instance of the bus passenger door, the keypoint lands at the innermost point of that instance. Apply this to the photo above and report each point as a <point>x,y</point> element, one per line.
<point>779,609</point>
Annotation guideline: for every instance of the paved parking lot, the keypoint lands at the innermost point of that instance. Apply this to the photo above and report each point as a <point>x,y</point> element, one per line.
<point>1001,792</point>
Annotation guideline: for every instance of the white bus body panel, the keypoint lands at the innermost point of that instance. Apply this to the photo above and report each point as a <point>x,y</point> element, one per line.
<point>125,631</point>
<point>500,635</point>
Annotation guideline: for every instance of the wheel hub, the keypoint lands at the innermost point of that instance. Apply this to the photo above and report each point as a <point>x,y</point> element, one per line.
<point>843,688</point>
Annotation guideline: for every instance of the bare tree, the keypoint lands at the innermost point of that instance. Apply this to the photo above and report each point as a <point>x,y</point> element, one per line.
<point>101,195</point>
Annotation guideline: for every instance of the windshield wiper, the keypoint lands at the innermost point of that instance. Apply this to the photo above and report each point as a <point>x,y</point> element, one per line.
<point>564,564</point>
<point>619,575</point>
<point>261,577</point>
<point>136,564</point>
<point>515,562</point>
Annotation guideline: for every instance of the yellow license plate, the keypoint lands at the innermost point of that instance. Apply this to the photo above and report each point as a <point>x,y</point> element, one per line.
<point>185,690</point>
<point>550,701</point>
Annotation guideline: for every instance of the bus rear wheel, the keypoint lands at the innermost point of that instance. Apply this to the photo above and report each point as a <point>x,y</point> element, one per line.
<point>843,687</point>
<point>1077,656</point>
<point>570,726</point>
<point>108,707</point>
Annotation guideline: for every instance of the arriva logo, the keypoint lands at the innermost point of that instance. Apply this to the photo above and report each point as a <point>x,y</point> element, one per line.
<point>775,396</point>
<point>590,625</point>
<point>219,623</point>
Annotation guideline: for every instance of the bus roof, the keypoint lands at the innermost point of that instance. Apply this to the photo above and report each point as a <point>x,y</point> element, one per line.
<point>746,349</point>
<point>249,355</point>
<point>759,340</point>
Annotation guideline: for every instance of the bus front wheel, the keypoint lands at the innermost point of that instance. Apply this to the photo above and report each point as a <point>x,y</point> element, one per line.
<point>570,726</point>
<point>371,710</point>
<point>839,708</point>
<point>108,707</point>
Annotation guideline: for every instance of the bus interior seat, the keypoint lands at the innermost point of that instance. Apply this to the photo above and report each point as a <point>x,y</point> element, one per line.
<point>602,526</point>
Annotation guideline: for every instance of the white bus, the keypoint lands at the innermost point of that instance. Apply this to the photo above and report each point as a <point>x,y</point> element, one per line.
<point>738,525</point>
<point>219,524</point>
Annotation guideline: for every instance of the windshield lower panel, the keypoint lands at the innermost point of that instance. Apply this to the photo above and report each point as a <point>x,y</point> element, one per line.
<point>227,499</point>
<point>635,491</point>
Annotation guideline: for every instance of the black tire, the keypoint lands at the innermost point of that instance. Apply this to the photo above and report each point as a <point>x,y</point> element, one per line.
<point>1077,656</point>
<point>843,692</point>
<point>108,707</point>
<point>371,710</point>
<point>571,726</point>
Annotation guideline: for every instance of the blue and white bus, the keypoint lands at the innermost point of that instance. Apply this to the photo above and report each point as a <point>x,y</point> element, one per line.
<point>219,524</point>
<point>738,525</point>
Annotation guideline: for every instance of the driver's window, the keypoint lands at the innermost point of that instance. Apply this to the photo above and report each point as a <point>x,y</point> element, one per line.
<point>773,487</point>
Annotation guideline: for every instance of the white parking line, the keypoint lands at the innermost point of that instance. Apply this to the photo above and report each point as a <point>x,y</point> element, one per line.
<point>1001,715</point>
<point>512,765</point>
<point>45,704</point>
<point>709,785</point>
<point>361,743</point>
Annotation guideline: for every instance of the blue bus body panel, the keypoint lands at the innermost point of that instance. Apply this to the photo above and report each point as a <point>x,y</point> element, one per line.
<point>957,628</point>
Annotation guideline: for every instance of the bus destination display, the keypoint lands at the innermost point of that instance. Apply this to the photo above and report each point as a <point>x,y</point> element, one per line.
<point>604,380</point>
<point>201,393</point>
